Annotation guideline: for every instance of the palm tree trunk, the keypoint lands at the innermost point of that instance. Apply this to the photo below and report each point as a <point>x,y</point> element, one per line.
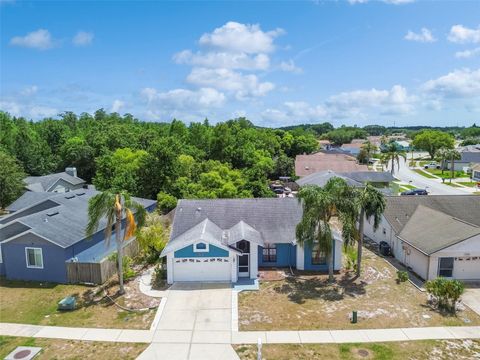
<point>330,267</point>
<point>118,240</point>
<point>452,171</point>
<point>360,241</point>
<point>393,165</point>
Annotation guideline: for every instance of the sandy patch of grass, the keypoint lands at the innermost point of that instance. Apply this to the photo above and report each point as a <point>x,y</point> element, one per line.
<point>36,303</point>
<point>72,349</point>
<point>309,302</point>
<point>439,350</point>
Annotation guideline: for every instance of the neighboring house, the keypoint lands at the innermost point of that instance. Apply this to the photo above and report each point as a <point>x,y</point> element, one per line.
<point>228,239</point>
<point>379,179</point>
<point>400,144</point>
<point>325,144</point>
<point>354,147</point>
<point>469,155</point>
<point>326,160</point>
<point>434,235</point>
<point>476,172</point>
<point>61,182</point>
<point>38,239</point>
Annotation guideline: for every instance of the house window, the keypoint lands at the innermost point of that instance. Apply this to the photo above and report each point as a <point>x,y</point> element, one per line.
<point>200,247</point>
<point>318,257</point>
<point>269,253</point>
<point>445,267</point>
<point>34,258</point>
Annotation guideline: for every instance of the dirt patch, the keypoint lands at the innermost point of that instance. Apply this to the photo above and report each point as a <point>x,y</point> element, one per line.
<point>272,274</point>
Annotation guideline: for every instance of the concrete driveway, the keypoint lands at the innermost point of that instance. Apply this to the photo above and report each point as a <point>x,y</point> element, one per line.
<point>196,323</point>
<point>471,297</point>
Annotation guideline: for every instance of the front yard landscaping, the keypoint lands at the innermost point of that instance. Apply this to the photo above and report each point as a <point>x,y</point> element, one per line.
<point>447,174</point>
<point>308,302</point>
<point>72,349</point>
<point>440,349</point>
<point>36,303</point>
<point>424,173</point>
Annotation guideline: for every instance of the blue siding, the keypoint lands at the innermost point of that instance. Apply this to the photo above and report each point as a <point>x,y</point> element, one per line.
<point>2,268</point>
<point>54,269</point>
<point>286,256</point>
<point>213,251</point>
<point>308,260</point>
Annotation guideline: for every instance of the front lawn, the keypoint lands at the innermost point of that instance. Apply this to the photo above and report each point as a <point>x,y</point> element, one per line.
<point>36,303</point>
<point>309,302</point>
<point>440,349</point>
<point>72,349</point>
<point>425,174</point>
<point>468,183</point>
<point>447,174</point>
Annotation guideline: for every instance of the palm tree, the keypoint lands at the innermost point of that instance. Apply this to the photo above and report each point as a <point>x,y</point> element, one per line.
<point>453,155</point>
<point>442,155</point>
<point>369,148</point>
<point>370,203</point>
<point>319,206</point>
<point>393,153</point>
<point>114,206</point>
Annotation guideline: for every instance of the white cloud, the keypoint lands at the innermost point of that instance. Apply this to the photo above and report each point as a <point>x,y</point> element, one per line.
<point>225,60</point>
<point>40,39</point>
<point>466,54</point>
<point>295,112</point>
<point>29,90</point>
<point>83,38</point>
<point>117,105</point>
<point>392,2</point>
<point>243,86</point>
<point>12,107</point>
<point>184,99</point>
<point>241,38</point>
<point>290,66</point>
<point>463,83</point>
<point>38,112</point>
<point>463,35</point>
<point>424,36</point>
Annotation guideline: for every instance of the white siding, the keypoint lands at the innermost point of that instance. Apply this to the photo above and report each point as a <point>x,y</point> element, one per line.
<point>300,258</point>
<point>338,255</point>
<point>416,260</point>
<point>253,261</point>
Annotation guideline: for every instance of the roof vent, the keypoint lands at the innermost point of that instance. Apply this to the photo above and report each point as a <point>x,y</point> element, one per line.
<point>69,197</point>
<point>53,213</point>
<point>199,209</point>
<point>80,193</point>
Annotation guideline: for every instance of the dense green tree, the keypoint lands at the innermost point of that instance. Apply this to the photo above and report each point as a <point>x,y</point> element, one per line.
<point>345,135</point>
<point>11,179</point>
<point>432,140</point>
<point>76,152</point>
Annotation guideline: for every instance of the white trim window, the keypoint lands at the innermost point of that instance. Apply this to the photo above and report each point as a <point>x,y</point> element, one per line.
<point>200,247</point>
<point>34,258</point>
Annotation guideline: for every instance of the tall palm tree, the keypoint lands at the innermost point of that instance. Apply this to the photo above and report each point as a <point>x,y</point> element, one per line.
<point>115,206</point>
<point>393,154</point>
<point>370,203</point>
<point>453,155</point>
<point>319,206</point>
<point>369,148</point>
<point>442,155</point>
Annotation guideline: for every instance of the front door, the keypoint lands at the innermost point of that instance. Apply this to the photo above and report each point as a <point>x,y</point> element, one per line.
<point>244,259</point>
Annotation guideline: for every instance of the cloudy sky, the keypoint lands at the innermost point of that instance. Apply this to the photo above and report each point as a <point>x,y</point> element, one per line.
<point>277,63</point>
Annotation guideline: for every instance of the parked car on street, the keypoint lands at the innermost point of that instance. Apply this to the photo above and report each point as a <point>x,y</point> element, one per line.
<point>432,165</point>
<point>415,192</point>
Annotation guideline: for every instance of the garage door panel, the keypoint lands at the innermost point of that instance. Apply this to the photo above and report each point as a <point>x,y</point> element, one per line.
<point>467,269</point>
<point>204,269</point>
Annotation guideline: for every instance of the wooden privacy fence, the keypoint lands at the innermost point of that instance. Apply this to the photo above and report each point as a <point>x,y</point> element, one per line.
<point>97,273</point>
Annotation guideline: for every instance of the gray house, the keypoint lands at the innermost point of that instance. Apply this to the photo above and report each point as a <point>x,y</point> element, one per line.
<point>469,155</point>
<point>46,232</point>
<point>60,182</point>
<point>228,239</point>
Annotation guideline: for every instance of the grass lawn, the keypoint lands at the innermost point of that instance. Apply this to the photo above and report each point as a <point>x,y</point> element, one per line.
<point>309,302</point>
<point>72,349</point>
<point>468,183</point>
<point>452,184</point>
<point>440,349</point>
<point>36,303</point>
<point>423,173</point>
<point>446,174</point>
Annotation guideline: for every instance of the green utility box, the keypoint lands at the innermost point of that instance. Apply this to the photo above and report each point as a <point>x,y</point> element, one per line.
<point>354,317</point>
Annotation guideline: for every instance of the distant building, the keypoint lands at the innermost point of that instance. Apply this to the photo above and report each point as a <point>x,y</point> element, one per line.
<point>336,161</point>
<point>470,155</point>
<point>354,147</point>
<point>60,182</point>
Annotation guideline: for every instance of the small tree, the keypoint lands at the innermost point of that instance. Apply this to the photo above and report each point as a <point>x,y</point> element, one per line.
<point>166,202</point>
<point>152,237</point>
<point>445,292</point>
<point>11,179</point>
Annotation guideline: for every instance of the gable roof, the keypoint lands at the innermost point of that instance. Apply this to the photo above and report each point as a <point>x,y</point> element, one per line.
<point>44,183</point>
<point>29,198</point>
<point>63,221</point>
<point>399,209</point>
<point>274,219</point>
<point>320,178</point>
<point>369,176</point>
<point>322,160</point>
<point>430,230</point>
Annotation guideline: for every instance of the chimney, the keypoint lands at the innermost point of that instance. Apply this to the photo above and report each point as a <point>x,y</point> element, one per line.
<point>72,171</point>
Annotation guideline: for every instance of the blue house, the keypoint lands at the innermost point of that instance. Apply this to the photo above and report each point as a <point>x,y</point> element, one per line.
<point>46,231</point>
<point>228,239</point>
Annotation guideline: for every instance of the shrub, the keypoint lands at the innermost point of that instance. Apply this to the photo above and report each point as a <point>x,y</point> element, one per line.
<point>351,258</point>
<point>402,276</point>
<point>445,293</point>
<point>166,202</point>
<point>159,277</point>
<point>152,238</point>
<point>128,271</point>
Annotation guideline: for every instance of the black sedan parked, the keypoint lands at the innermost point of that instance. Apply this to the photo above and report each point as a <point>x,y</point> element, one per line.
<point>415,192</point>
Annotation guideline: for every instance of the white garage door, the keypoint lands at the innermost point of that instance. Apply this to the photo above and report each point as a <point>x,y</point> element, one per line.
<point>203,269</point>
<point>467,268</point>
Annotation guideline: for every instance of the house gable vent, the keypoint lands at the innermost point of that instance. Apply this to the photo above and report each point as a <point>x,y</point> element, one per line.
<point>53,213</point>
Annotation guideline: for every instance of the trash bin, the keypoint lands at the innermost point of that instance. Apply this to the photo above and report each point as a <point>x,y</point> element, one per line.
<point>67,303</point>
<point>384,248</point>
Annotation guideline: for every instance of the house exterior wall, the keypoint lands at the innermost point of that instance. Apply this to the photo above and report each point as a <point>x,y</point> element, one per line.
<point>54,269</point>
<point>337,258</point>
<point>416,260</point>
<point>476,175</point>
<point>213,251</point>
<point>62,186</point>
<point>285,256</point>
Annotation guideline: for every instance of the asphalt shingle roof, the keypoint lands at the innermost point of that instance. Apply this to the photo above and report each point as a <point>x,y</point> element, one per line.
<point>320,161</point>
<point>29,198</point>
<point>63,224</point>
<point>369,176</point>
<point>321,178</point>
<point>430,230</point>
<point>43,183</point>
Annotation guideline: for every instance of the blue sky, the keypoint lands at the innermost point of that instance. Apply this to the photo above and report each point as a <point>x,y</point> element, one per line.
<point>277,63</point>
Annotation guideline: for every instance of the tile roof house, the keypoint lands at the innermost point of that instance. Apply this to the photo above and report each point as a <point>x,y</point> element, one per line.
<point>434,235</point>
<point>227,239</point>
<point>46,232</point>
<point>326,160</point>
<point>354,147</point>
<point>59,182</point>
